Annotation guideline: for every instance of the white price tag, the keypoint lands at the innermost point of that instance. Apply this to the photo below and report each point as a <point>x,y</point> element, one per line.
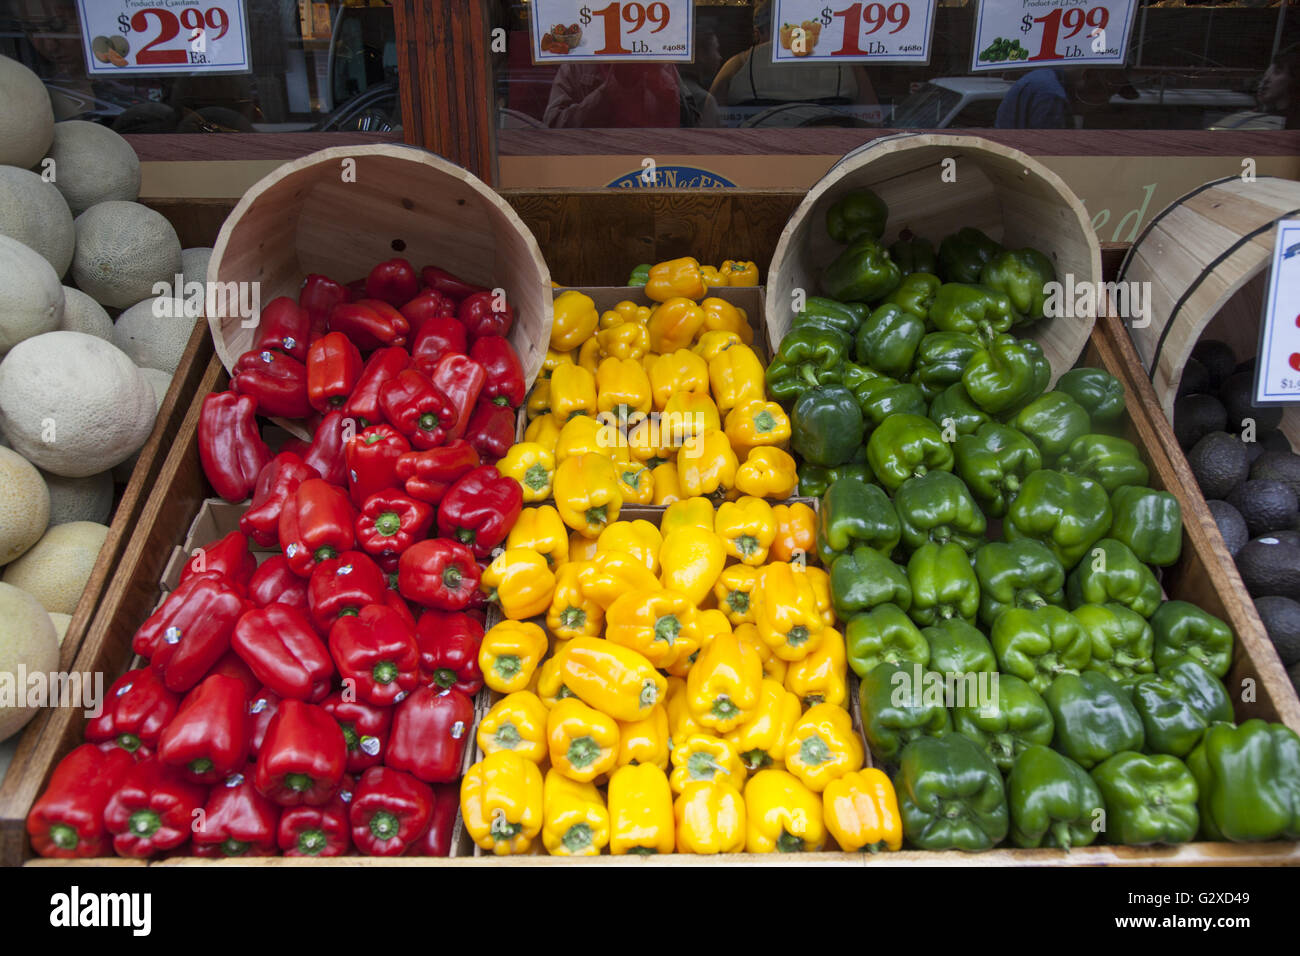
<point>881,31</point>
<point>1277,373</point>
<point>1019,34</point>
<point>613,31</point>
<point>164,36</point>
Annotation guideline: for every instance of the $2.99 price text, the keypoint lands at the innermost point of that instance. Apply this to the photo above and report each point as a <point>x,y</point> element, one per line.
<point>169,24</point>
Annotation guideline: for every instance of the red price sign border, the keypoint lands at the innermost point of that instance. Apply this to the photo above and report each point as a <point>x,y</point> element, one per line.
<point>156,33</point>
<point>540,12</point>
<point>841,12</point>
<point>1127,7</point>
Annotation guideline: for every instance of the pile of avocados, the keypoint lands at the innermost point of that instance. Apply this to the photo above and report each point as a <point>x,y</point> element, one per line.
<point>1252,486</point>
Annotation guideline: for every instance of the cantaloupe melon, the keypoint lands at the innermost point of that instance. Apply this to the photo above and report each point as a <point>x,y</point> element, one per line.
<point>26,117</point>
<point>31,298</point>
<point>93,164</point>
<point>81,313</point>
<point>55,570</point>
<point>27,639</point>
<point>24,505</point>
<point>60,622</point>
<point>160,381</point>
<point>194,264</point>
<point>33,212</point>
<point>123,248</point>
<point>154,333</point>
<point>73,404</point>
<point>80,499</point>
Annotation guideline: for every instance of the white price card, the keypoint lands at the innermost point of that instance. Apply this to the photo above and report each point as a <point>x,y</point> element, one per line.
<point>1019,34</point>
<point>613,31</point>
<point>890,31</point>
<point>1277,373</point>
<point>164,36</point>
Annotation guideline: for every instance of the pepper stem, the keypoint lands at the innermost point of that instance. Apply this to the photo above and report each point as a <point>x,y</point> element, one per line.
<point>64,836</point>
<point>298,782</point>
<point>312,842</point>
<point>1061,834</point>
<point>385,672</point>
<point>388,523</point>
<point>384,825</point>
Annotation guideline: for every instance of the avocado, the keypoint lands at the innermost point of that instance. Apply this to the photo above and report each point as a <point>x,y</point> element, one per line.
<point>1196,416</point>
<point>1288,536</point>
<point>1237,395</point>
<point>1231,525</point>
<point>1195,379</point>
<point>1219,463</point>
<point>1270,566</point>
<point>1273,440</point>
<point>1218,359</point>
<point>1279,466</point>
<point>1248,365</point>
<point>1281,617</point>
<point>1266,505</point>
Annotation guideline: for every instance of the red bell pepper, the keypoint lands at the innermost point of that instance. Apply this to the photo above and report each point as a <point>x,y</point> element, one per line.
<point>439,573</point>
<point>277,382</point>
<point>342,586</point>
<point>491,430</point>
<point>327,453</point>
<point>237,820</point>
<point>437,839</point>
<point>394,282</point>
<point>363,403</point>
<point>230,448</point>
<point>480,509</point>
<point>285,326</point>
<point>376,652</point>
<point>391,521</point>
<point>452,286</point>
<point>316,524</point>
<point>152,810</point>
<point>365,728</point>
<point>275,583</point>
<point>319,295</point>
<point>486,313</point>
<point>232,665</point>
<point>302,757</point>
<point>208,738</point>
<point>505,373</point>
<point>461,379</point>
<point>429,304</point>
<point>67,821</point>
<point>296,445</point>
<point>134,714</point>
<point>262,708</point>
<point>418,410</point>
<point>190,630</point>
<point>372,458</point>
<point>390,811</point>
<point>438,336</point>
<point>276,482</point>
<point>333,367</point>
<point>370,324</point>
<point>449,643</point>
<point>229,556</point>
<point>394,601</point>
<point>431,729</point>
<point>318,831</point>
<point>278,644</point>
<point>427,475</point>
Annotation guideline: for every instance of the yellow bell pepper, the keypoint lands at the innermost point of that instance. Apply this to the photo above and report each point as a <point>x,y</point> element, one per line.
<point>667,485</point>
<point>677,371</point>
<point>659,623</point>
<point>686,416</point>
<point>573,392</point>
<point>796,531</point>
<point>760,741</point>
<point>767,473</point>
<point>822,746</point>
<point>715,342</point>
<point>740,272</point>
<point>615,573</point>
<point>583,742</point>
<point>733,591</point>
<point>723,684</point>
<point>710,817</point>
<point>637,483</point>
<point>573,614</point>
<point>581,548</point>
<point>550,686</point>
<point>629,340</point>
<point>575,320</point>
<point>713,279</point>
<point>721,316</point>
<point>710,623</point>
<point>575,821</point>
<point>539,399</point>
<point>646,740</point>
<point>736,377</point>
<point>823,676</point>
<point>501,802</point>
<point>532,467</point>
<point>674,325</point>
<point>554,358</point>
<point>747,528</point>
<point>703,756</point>
<point>639,538</point>
<point>540,529</point>
<point>622,386</point>
<point>706,465</point>
<point>510,652</point>
<point>787,615</point>
<point>648,441</point>
<point>640,811</point>
<point>675,277</point>
<point>587,435</point>
<point>589,355</point>
<point>821,585</point>
<point>587,494</point>
<point>687,513</point>
<point>690,561</point>
<point>614,679</point>
<point>773,667</point>
<point>783,815</point>
<point>545,431</point>
<point>625,311</point>
<point>681,722</point>
<point>757,424</point>
<point>521,582</point>
<point>861,812</point>
<point>516,722</point>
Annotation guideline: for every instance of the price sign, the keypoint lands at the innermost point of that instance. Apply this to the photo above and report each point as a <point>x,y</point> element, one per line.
<point>1020,34</point>
<point>613,31</point>
<point>164,36</point>
<point>891,31</point>
<point>1277,373</point>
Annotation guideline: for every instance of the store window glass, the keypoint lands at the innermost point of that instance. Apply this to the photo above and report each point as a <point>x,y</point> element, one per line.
<point>311,67</point>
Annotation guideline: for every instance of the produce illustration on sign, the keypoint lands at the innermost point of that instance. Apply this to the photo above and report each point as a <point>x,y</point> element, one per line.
<point>897,32</point>
<point>1011,34</point>
<point>654,31</point>
<point>189,36</point>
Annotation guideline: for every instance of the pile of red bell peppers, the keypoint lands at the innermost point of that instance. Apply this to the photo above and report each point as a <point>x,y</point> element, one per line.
<point>319,703</point>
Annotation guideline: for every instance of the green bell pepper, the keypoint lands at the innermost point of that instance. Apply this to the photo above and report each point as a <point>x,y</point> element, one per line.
<point>857,214</point>
<point>1150,798</point>
<point>640,275</point>
<point>855,513</point>
<point>906,446</point>
<point>1094,718</point>
<point>826,426</point>
<point>862,272</point>
<point>943,584</point>
<point>1111,462</point>
<point>888,339</point>
<point>805,359</point>
<point>1150,522</point>
<point>1112,573</point>
<point>1052,421</point>
<point>1053,801</point>
<point>940,359</point>
<point>884,635</point>
<point>1024,574</point>
<point>957,647</point>
<point>1039,644</point>
<point>1067,513</point>
<point>963,254</point>
<point>1249,782</point>
<point>994,462</point>
<point>1122,640</point>
<point>1020,275</point>
<point>822,313</point>
<point>880,396</point>
<point>814,479</point>
<point>954,412</point>
<point>972,309</point>
<point>1100,393</point>
<point>915,255</point>
<point>1007,725</point>
<point>864,578</point>
<point>1178,705</point>
<point>895,710</point>
<point>915,294</point>
<point>1003,375</point>
<point>938,507</point>
<point>1186,632</point>
<point>950,795</point>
